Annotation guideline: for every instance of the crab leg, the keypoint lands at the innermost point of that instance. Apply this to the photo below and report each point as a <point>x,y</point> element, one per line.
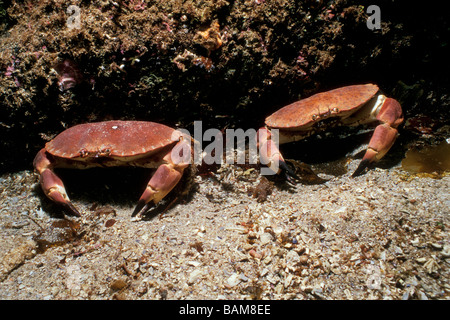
<point>51,184</point>
<point>163,181</point>
<point>384,136</point>
<point>270,154</point>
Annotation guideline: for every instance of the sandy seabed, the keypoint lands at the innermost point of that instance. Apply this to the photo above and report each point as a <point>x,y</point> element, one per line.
<point>382,235</point>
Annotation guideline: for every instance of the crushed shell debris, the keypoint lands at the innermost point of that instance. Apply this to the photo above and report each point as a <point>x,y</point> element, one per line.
<point>378,236</point>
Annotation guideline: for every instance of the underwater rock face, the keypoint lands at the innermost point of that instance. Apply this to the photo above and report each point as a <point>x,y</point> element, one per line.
<point>222,62</point>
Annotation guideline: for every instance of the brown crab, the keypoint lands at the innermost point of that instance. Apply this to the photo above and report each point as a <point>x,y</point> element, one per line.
<point>351,106</point>
<point>115,143</point>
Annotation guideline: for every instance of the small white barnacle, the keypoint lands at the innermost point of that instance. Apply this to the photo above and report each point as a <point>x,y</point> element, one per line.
<point>115,127</point>
<point>83,153</point>
<point>335,110</point>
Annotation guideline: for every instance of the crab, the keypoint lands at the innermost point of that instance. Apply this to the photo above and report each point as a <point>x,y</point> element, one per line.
<point>115,143</point>
<point>346,106</point>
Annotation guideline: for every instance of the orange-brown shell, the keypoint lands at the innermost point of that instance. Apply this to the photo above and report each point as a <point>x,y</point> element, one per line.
<point>338,102</point>
<point>110,138</point>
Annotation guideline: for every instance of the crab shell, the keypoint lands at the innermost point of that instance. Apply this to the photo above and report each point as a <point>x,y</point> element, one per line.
<point>341,103</point>
<point>114,142</point>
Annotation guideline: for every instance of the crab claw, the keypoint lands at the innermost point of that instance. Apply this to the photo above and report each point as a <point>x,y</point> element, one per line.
<point>142,207</point>
<point>384,135</point>
<point>288,172</point>
<point>55,191</point>
<point>51,184</point>
<point>382,140</point>
<point>164,179</point>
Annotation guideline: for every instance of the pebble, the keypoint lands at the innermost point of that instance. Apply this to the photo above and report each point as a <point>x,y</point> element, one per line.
<point>303,260</point>
<point>253,253</point>
<point>436,246</point>
<point>421,260</point>
<point>234,279</point>
<point>307,289</point>
<point>288,280</point>
<point>431,265</point>
<point>318,292</point>
<point>341,210</point>
<point>273,279</point>
<point>446,251</point>
<point>398,250</point>
<point>361,198</point>
<point>242,277</point>
<point>422,295</point>
<point>265,238</point>
<point>292,260</point>
<point>237,228</point>
<point>118,284</point>
<point>194,276</point>
<point>267,259</point>
<point>194,263</point>
<point>19,224</point>
<point>264,272</point>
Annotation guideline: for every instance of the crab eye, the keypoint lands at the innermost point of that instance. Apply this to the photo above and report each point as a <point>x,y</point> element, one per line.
<point>315,117</point>
<point>335,110</point>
